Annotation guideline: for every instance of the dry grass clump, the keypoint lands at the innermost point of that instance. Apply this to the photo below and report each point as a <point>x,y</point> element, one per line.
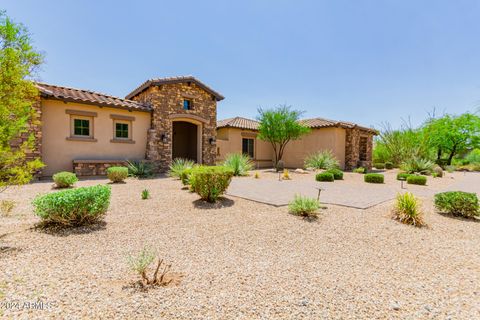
<point>304,206</point>
<point>6,207</point>
<point>407,210</point>
<point>140,264</point>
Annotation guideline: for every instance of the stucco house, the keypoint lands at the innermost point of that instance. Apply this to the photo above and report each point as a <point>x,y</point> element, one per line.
<point>86,131</point>
<point>350,143</point>
<point>162,119</point>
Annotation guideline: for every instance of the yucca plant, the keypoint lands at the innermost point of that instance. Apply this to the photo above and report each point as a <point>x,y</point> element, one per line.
<point>239,163</point>
<point>407,210</point>
<point>321,160</point>
<point>178,166</point>
<point>145,194</point>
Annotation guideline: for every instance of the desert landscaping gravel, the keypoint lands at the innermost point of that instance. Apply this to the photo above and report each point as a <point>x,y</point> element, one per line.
<point>238,260</point>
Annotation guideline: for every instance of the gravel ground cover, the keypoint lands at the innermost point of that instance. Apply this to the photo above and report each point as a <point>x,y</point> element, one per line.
<point>238,260</point>
<point>352,191</point>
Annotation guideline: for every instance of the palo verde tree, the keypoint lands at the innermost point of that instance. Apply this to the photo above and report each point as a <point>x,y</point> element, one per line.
<point>279,126</point>
<point>451,135</point>
<point>18,64</point>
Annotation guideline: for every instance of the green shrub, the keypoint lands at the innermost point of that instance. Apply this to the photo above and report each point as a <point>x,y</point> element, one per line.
<point>239,163</point>
<point>438,171</point>
<point>389,165</point>
<point>473,157</point>
<point>403,176</point>
<point>337,173</point>
<point>185,176</point>
<point>458,203</point>
<point>321,160</point>
<point>73,207</point>
<point>325,176</point>
<point>140,169</point>
<point>373,178</point>
<point>361,170</point>
<point>379,165</point>
<point>178,166</point>
<point>304,206</point>
<point>418,165</point>
<point>414,179</point>
<point>407,210</point>
<point>469,167</point>
<point>117,174</point>
<point>145,194</point>
<point>64,179</point>
<point>210,182</point>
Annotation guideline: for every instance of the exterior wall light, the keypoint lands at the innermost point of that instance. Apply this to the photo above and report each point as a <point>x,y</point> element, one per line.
<point>163,138</point>
<point>212,141</point>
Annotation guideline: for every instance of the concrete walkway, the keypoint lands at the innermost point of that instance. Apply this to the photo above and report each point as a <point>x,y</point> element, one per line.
<point>341,192</point>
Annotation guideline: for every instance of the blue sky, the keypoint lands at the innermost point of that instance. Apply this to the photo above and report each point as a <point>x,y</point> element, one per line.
<point>363,61</point>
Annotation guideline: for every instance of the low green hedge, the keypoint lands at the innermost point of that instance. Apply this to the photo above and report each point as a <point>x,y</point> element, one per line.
<point>117,174</point>
<point>73,207</point>
<point>403,176</point>
<point>389,165</point>
<point>64,179</point>
<point>379,165</point>
<point>325,177</point>
<point>458,203</point>
<point>414,179</point>
<point>337,173</point>
<point>209,182</point>
<point>373,178</point>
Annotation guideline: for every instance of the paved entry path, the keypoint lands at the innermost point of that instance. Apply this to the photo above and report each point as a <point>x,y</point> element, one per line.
<point>349,192</point>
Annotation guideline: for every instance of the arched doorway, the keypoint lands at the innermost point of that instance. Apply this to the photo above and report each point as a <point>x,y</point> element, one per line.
<point>185,140</point>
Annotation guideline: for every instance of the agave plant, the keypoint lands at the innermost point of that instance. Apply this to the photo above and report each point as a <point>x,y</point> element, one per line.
<point>240,164</point>
<point>418,165</point>
<point>178,166</point>
<point>140,169</point>
<point>321,160</point>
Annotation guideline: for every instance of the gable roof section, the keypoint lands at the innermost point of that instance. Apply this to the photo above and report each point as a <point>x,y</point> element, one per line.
<point>169,80</point>
<point>88,97</point>
<point>314,123</point>
<point>238,122</point>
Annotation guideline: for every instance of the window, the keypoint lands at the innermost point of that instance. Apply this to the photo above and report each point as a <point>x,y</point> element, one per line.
<point>121,130</point>
<point>247,147</point>
<point>81,127</point>
<point>363,149</point>
<point>187,104</point>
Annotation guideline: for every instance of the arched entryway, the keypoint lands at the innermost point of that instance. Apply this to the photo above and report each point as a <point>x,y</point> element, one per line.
<point>185,142</point>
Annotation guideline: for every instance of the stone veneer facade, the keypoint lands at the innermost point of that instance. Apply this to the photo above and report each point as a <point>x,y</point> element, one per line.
<point>166,101</point>
<point>352,149</point>
<point>34,128</point>
<point>95,167</point>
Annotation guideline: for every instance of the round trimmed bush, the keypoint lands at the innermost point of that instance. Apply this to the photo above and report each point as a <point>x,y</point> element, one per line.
<point>361,170</point>
<point>117,174</point>
<point>458,203</point>
<point>73,207</point>
<point>414,179</point>
<point>403,176</point>
<point>373,178</point>
<point>64,179</point>
<point>388,165</point>
<point>209,182</point>
<point>379,165</point>
<point>325,177</point>
<point>337,173</point>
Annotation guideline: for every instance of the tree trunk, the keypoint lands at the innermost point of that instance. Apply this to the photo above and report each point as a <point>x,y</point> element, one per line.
<point>439,153</point>
<point>452,154</point>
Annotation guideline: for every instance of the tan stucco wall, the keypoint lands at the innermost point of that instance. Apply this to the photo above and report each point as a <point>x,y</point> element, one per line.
<point>229,140</point>
<point>58,152</point>
<point>318,139</point>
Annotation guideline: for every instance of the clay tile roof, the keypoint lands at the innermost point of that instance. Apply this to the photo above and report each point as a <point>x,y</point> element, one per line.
<point>89,97</point>
<point>180,79</point>
<point>238,122</point>
<point>315,123</point>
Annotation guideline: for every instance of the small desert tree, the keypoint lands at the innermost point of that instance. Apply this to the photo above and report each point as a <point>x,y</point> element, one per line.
<point>452,135</point>
<point>18,63</point>
<point>279,126</point>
